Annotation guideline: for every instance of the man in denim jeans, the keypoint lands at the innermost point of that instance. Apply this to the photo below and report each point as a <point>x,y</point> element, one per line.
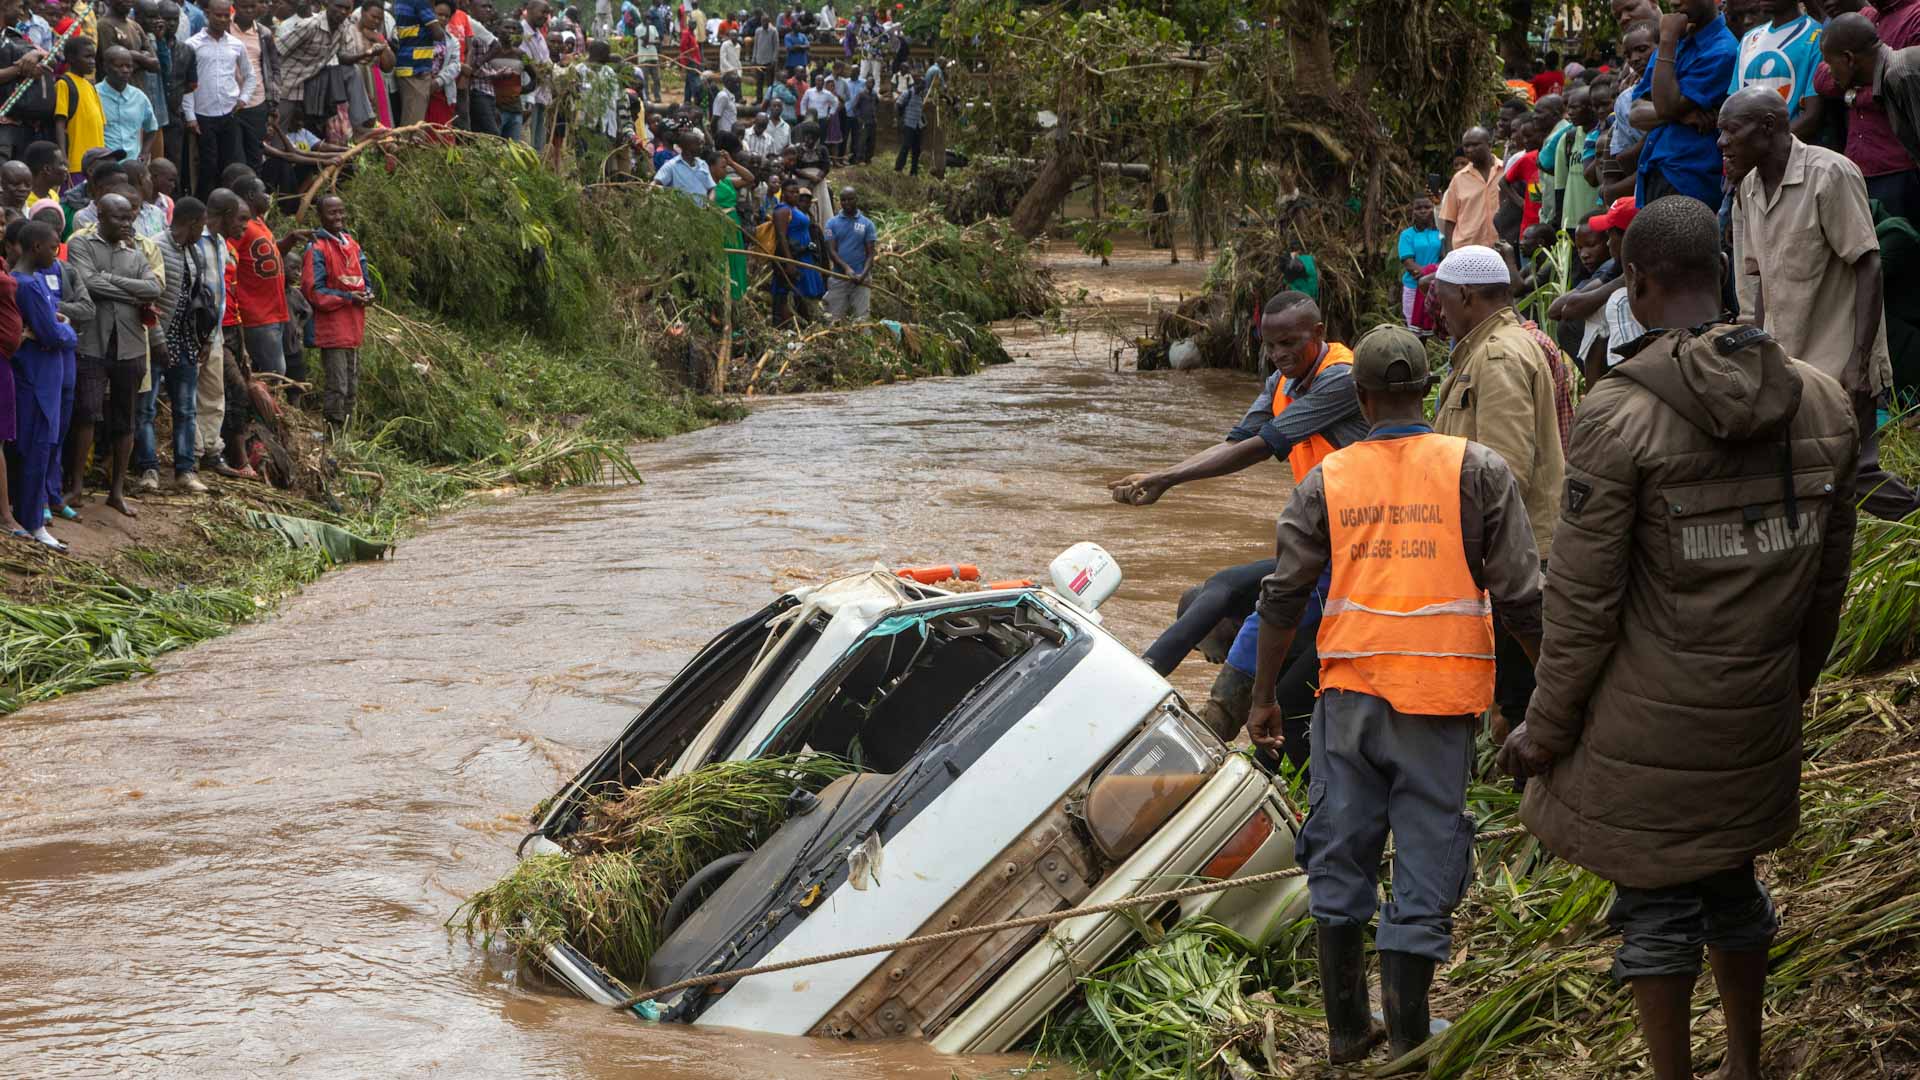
<point>175,347</point>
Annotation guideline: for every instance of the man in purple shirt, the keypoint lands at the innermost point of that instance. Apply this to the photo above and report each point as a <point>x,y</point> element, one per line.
<point>1892,176</point>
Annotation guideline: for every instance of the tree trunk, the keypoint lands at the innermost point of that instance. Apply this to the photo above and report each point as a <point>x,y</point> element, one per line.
<point>1049,191</point>
<point>1514,48</point>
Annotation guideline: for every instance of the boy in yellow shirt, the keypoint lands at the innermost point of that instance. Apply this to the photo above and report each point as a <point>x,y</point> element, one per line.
<point>78,123</point>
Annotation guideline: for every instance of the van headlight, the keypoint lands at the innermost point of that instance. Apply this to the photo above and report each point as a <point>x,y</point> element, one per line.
<point>1149,780</point>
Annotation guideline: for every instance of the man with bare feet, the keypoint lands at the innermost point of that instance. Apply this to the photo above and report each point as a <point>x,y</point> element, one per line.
<point>113,344</point>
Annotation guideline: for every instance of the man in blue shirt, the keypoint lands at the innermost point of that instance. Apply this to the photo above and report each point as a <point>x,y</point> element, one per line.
<point>126,113</point>
<point>688,172</point>
<point>850,241</point>
<point>1675,102</point>
<point>413,57</point>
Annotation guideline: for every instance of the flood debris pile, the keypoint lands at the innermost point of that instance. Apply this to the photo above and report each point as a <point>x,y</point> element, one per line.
<point>609,892</point>
<point>601,297</point>
<point>985,188</point>
<point>1307,131</point>
<point>1194,1000</point>
<point>1528,991</point>
<point>1218,322</point>
<point>936,287</point>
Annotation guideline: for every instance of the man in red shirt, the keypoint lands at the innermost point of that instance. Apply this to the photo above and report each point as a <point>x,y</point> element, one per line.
<point>258,287</point>
<point>1522,187</point>
<point>690,64</point>
<point>1549,79</point>
<point>260,281</point>
<point>1892,176</point>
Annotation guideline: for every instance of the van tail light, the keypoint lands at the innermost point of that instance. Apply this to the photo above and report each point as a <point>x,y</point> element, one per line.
<point>1149,780</point>
<point>1240,847</point>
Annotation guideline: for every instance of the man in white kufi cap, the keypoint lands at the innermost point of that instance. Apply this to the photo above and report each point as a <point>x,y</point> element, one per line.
<point>1500,394</point>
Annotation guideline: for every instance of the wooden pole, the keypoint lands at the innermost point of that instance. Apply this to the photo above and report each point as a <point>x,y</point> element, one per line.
<point>726,340</point>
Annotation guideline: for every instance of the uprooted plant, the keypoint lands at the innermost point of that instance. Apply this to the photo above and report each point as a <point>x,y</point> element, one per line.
<point>633,850</point>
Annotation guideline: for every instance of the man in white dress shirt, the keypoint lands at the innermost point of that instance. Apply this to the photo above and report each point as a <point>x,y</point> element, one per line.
<point>226,78</point>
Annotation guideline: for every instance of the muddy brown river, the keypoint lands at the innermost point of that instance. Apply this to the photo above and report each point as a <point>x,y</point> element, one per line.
<point>240,866</point>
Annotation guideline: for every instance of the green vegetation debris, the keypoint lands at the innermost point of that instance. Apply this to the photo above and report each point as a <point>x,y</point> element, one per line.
<point>634,849</point>
<point>1528,991</point>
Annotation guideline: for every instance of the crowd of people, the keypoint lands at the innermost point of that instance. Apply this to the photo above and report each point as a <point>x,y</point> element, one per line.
<point>124,295</point>
<point>1637,586</point>
<point>770,173</point>
<point>143,145</point>
<point>126,292</point>
<point>1798,133</point>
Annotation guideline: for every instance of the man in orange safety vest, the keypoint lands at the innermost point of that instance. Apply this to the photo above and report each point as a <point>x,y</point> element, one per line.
<point>1427,538</point>
<point>1305,411</point>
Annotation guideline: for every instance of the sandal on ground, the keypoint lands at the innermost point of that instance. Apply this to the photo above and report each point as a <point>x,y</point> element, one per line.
<point>47,538</point>
<point>64,511</point>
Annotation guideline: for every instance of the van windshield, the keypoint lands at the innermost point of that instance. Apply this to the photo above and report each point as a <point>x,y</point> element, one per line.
<point>901,681</point>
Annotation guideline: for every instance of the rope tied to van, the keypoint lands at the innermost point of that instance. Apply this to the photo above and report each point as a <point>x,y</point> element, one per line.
<point>1048,918</point>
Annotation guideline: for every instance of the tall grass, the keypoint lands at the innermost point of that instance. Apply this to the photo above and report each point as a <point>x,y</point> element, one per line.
<point>1881,622</point>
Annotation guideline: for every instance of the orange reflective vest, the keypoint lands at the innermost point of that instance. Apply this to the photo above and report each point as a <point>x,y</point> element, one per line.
<point>1313,449</point>
<point>1404,619</point>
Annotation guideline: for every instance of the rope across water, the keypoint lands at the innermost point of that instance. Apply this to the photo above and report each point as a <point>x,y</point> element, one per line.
<point>1116,905</point>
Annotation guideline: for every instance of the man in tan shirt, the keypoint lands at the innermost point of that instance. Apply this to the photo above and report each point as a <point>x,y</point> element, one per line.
<point>1811,263</point>
<point>1466,210</point>
<point>1500,395</point>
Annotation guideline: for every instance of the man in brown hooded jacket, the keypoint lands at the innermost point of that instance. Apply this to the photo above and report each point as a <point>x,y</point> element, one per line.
<point>1699,566</point>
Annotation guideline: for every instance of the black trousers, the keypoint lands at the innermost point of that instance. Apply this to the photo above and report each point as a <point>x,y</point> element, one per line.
<point>863,150</point>
<point>1228,595</point>
<point>1880,493</point>
<point>1898,192</point>
<point>909,146</point>
<point>222,142</point>
<point>253,134</point>
<point>1512,676</point>
<point>481,111</point>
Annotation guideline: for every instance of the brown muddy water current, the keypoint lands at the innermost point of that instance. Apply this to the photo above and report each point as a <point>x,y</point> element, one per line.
<point>240,866</point>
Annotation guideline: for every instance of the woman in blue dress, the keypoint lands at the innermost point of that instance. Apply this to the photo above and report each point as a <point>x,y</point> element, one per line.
<point>796,285</point>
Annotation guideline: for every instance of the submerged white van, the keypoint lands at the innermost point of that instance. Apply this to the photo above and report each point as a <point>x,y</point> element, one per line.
<point>1015,759</point>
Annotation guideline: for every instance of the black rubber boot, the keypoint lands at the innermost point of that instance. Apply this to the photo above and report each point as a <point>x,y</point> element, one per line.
<point>1404,982</point>
<point>1228,703</point>
<point>1343,990</point>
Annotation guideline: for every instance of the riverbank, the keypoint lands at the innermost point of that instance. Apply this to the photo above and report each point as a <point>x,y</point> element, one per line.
<point>523,342</point>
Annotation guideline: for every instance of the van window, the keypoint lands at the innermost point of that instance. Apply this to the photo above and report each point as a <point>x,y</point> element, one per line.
<point>896,687</point>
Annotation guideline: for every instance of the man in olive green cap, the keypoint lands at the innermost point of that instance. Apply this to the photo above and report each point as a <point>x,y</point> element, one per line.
<point>1419,529</point>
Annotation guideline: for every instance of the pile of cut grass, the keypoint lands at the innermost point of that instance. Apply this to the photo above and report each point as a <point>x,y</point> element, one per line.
<point>1198,1000</point>
<point>633,850</point>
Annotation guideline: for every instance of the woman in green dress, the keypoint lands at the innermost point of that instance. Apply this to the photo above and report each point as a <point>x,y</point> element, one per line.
<point>730,177</point>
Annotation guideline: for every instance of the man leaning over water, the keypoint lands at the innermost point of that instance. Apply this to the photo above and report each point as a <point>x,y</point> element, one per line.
<point>1306,411</point>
